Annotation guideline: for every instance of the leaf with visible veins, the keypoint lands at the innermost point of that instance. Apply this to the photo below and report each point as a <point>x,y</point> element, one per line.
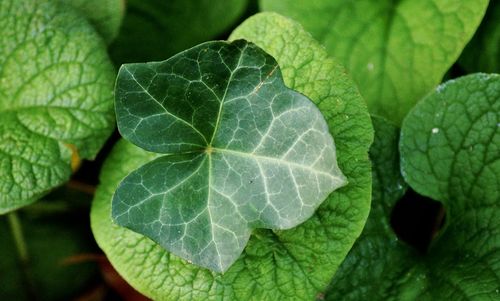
<point>292,264</point>
<point>56,84</point>
<point>396,50</point>
<point>243,151</point>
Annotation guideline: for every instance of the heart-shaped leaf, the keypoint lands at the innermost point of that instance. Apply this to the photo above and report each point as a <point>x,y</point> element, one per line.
<point>56,85</point>
<point>396,51</point>
<point>292,264</point>
<point>244,151</point>
<point>449,151</point>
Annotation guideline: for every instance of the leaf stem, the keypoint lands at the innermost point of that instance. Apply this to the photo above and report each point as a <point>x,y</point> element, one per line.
<point>17,233</point>
<point>16,230</point>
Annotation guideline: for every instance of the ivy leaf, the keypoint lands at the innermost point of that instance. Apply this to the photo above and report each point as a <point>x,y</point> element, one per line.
<point>292,264</point>
<point>396,51</point>
<point>171,27</point>
<point>450,152</point>
<point>55,97</point>
<point>483,51</point>
<point>106,16</point>
<point>243,151</point>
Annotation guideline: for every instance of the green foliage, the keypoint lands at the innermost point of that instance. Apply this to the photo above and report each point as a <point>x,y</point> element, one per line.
<point>396,51</point>
<point>47,273</point>
<point>242,151</point>
<point>483,51</point>
<point>105,15</point>
<point>222,190</point>
<point>293,264</point>
<point>449,151</point>
<point>453,138</point>
<point>153,30</point>
<point>55,97</point>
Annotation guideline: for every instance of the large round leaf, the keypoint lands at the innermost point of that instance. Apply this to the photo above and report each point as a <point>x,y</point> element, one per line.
<point>56,85</point>
<point>396,51</point>
<point>293,264</point>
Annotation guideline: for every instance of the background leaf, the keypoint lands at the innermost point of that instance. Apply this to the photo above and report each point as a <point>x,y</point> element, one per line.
<point>154,30</point>
<point>462,262</point>
<point>105,15</point>
<point>483,51</point>
<point>294,264</point>
<point>56,86</point>
<point>52,240</point>
<point>396,51</point>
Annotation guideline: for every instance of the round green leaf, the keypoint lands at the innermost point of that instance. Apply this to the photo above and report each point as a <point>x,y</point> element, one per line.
<point>453,138</point>
<point>56,86</point>
<point>244,151</point>
<point>449,151</point>
<point>153,30</point>
<point>396,51</point>
<point>293,264</point>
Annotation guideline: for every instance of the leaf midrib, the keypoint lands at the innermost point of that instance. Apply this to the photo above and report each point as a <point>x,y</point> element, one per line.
<point>163,107</point>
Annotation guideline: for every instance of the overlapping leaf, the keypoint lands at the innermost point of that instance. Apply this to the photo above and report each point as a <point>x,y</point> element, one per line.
<point>449,151</point>
<point>294,264</point>
<point>105,15</point>
<point>483,51</point>
<point>396,51</point>
<point>55,97</point>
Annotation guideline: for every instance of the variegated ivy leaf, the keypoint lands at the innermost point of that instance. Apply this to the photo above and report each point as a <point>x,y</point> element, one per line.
<point>241,151</point>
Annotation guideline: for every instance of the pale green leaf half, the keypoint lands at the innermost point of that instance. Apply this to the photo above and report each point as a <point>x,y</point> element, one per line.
<point>243,151</point>
<point>105,15</point>
<point>396,51</point>
<point>449,151</point>
<point>56,85</point>
<point>294,264</point>
<point>154,30</point>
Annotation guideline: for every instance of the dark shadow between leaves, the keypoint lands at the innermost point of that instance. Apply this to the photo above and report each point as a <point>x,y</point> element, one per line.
<point>417,219</point>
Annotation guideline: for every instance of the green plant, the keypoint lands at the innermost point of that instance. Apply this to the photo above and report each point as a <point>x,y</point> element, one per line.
<point>250,169</point>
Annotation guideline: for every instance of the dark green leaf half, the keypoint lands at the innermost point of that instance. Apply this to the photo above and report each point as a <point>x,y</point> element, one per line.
<point>52,243</point>
<point>156,29</point>
<point>244,151</point>
<point>449,151</point>
<point>396,51</point>
<point>56,85</point>
<point>483,51</point>
<point>293,264</point>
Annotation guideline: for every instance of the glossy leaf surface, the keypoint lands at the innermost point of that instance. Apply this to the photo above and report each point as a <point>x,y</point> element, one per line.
<point>243,151</point>
<point>293,264</point>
